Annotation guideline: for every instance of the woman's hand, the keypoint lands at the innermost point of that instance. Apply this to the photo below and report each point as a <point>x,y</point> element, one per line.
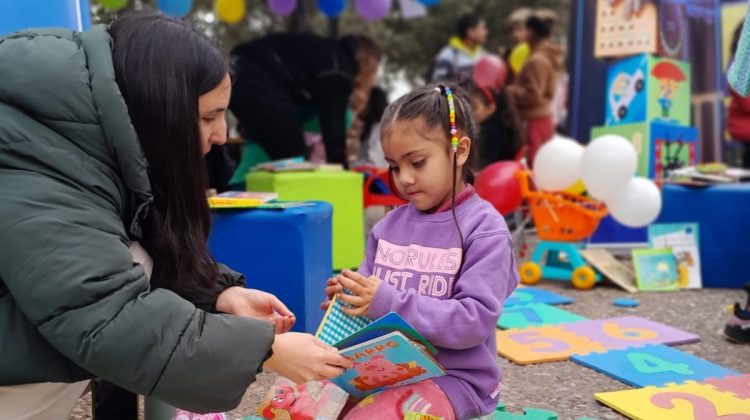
<point>302,358</point>
<point>332,288</point>
<point>256,304</point>
<point>362,289</point>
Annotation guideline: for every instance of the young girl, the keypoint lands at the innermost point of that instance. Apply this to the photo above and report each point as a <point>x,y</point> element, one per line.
<point>444,262</point>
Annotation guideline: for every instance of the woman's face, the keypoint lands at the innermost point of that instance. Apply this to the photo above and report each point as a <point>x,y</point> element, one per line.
<point>212,106</point>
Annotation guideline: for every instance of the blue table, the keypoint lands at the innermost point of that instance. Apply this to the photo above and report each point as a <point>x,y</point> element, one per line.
<point>284,252</point>
<point>723,215</point>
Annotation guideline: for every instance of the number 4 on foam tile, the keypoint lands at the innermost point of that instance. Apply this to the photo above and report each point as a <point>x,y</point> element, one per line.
<point>542,344</point>
<point>690,401</point>
<point>651,365</point>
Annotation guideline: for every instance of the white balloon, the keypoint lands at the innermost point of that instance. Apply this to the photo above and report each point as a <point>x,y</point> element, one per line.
<point>638,204</point>
<point>608,163</point>
<point>557,164</point>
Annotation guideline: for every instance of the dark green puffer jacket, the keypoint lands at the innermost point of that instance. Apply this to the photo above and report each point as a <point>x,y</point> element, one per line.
<point>73,187</point>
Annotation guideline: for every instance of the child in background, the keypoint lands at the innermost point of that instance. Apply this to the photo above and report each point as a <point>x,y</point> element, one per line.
<point>500,136</point>
<point>444,262</point>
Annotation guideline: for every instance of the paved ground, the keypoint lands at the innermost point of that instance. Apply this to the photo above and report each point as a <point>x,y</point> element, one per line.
<point>568,388</point>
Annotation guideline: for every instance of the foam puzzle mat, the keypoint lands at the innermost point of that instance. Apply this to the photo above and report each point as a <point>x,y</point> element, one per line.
<point>689,401</point>
<point>527,295</point>
<point>535,314</point>
<point>653,364</point>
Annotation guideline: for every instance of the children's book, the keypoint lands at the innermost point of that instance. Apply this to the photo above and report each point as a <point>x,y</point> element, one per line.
<point>313,400</point>
<point>387,352</point>
<point>683,239</point>
<point>384,362</point>
<point>341,330</point>
<point>606,263</point>
<point>655,269</point>
<point>241,199</point>
<point>295,164</point>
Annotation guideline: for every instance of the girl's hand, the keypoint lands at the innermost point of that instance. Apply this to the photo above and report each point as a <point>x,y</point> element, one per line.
<point>363,290</point>
<point>302,358</point>
<point>253,303</point>
<point>332,288</point>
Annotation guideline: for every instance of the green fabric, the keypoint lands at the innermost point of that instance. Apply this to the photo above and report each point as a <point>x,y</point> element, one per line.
<point>74,187</point>
<point>343,189</point>
<point>252,154</point>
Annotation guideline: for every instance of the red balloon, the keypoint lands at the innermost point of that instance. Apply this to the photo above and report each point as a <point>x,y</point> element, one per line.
<point>497,183</point>
<point>490,71</point>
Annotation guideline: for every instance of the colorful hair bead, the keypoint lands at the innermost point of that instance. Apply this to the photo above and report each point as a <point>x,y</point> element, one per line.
<point>452,116</point>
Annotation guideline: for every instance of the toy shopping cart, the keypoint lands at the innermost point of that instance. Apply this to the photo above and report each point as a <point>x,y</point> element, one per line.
<point>562,221</point>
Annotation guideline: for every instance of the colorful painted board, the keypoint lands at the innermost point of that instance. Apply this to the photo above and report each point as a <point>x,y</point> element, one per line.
<point>527,295</point>
<point>691,401</point>
<point>737,385</point>
<point>542,344</point>
<point>535,314</point>
<point>629,331</point>
<point>653,364</point>
<point>661,147</point>
<point>648,88</point>
<point>621,29</point>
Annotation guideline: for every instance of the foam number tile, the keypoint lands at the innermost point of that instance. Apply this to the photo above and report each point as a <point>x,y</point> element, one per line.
<point>535,314</point>
<point>653,364</point>
<point>527,295</point>
<point>542,344</point>
<point>737,385</point>
<point>630,331</point>
<point>690,401</point>
<point>528,414</point>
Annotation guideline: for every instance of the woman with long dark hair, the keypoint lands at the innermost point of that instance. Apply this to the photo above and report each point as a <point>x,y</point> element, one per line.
<point>104,268</point>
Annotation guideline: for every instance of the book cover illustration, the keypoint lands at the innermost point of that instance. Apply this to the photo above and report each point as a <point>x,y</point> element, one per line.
<point>313,400</point>
<point>655,269</point>
<point>683,239</point>
<point>384,362</point>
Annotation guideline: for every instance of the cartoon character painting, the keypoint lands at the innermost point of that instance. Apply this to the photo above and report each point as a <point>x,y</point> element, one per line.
<point>379,371</point>
<point>624,90</point>
<point>670,76</point>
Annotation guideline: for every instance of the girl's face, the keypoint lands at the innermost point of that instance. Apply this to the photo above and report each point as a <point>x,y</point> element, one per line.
<point>212,106</point>
<point>421,162</point>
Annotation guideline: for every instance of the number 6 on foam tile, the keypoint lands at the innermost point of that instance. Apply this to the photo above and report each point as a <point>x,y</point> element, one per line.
<point>630,331</point>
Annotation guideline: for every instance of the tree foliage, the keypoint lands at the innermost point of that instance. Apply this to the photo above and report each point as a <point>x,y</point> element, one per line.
<point>408,45</point>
